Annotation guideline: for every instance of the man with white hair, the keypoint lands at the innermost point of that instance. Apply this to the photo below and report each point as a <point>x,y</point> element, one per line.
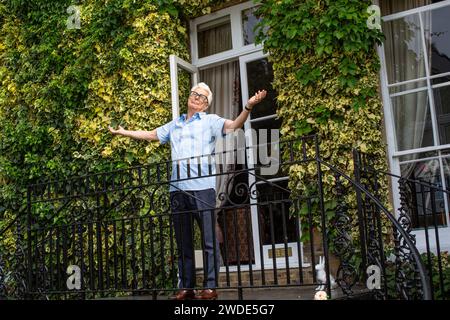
<point>192,136</point>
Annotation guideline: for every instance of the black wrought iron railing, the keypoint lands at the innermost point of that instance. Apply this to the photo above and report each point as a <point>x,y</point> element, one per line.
<point>13,257</point>
<point>421,212</point>
<point>113,233</point>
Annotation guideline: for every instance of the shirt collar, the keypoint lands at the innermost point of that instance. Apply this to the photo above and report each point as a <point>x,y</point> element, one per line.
<point>197,115</point>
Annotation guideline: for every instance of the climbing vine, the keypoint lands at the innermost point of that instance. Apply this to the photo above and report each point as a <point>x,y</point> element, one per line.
<point>61,87</point>
<point>63,82</point>
<point>326,76</point>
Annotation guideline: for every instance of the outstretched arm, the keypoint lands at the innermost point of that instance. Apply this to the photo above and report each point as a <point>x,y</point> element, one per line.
<point>140,134</point>
<point>231,125</point>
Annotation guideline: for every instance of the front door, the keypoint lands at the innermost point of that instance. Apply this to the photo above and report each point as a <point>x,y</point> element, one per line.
<point>276,239</point>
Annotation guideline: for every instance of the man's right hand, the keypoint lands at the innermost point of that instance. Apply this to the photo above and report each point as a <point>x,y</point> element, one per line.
<point>140,134</point>
<point>119,131</point>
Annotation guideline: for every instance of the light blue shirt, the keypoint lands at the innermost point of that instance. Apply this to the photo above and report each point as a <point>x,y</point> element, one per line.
<point>193,138</point>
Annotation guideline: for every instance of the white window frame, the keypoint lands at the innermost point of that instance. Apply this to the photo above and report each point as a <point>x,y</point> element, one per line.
<point>175,63</point>
<point>238,48</point>
<point>394,155</point>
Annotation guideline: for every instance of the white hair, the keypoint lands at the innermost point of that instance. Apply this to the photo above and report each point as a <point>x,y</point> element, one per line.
<point>206,87</point>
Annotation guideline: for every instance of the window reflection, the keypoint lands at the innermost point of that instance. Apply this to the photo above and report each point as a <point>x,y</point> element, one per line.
<point>440,39</point>
<point>442,105</point>
<point>404,49</point>
<point>412,121</point>
<point>249,21</point>
<point>260,76</point>
<point>427,207</point>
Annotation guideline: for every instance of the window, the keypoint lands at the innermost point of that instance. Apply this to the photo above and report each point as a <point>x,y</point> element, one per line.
<point>224,35</point>
<point>393,6</point>
<point>416,97</point>
<point>214,37</point>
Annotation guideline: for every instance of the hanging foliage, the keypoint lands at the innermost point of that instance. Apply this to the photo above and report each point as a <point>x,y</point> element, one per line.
<point>326,76</point>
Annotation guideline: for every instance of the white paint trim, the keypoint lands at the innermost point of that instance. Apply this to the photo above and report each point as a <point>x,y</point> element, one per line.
<point>250,154</point>
<point>434,120</point>
<point>420,160</point>
<point>416,10</point>
<point>237,40</point>
<point>272,116</point>
<point>293,259</point>
<point>430,91</point>
<point>226,56</point>
<point>175,63</point>
<point>396,84</point>
<point>267,267</point>
<point>440,85</point>
<point>391,139</point>
<point>273,180</point>
<point>440,75</point>
<point>394,161</point>
<point>399,94</point>
<point>420,150</point>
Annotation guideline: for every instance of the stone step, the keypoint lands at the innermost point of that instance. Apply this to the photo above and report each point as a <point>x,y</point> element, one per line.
<point>255,278</point>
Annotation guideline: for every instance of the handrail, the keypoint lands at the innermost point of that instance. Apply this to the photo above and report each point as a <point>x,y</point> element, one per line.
<point>412,247</point>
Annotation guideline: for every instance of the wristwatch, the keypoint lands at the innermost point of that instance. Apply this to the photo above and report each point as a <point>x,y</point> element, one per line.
<point>247,108</point>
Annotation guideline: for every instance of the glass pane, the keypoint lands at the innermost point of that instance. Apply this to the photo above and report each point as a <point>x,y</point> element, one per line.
<point>214,37</point>
<point>408,86</point>
<point>224,82</point>
<point>421,207</point>
<point>273,208</point>
<point>412,121</point>
<point>260,76</point>
<point>420,155</point>
<point>249,21</point>
<point>440,80</point>
<point>403,49</point>
<point>440,38</point>
<point>442,104</point>
<point>394,6</point>
<point>268,150</point>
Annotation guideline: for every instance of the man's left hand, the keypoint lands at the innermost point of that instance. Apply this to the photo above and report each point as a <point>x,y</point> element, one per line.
<point>257,98</point>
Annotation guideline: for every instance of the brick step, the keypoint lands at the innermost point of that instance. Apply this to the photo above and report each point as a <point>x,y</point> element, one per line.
<point>257,276</point>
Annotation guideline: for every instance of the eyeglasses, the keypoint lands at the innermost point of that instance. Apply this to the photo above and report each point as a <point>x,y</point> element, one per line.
<point>196,95</point>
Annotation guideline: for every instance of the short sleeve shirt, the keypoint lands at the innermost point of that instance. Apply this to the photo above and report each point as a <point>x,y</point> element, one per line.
<point>192,143</point>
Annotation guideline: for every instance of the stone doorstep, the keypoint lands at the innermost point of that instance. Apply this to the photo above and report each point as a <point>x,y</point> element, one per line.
<point>257,277</point>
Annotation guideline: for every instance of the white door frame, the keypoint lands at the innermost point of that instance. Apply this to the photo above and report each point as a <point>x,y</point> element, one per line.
<point>175,63</point>
<point>251,160</point>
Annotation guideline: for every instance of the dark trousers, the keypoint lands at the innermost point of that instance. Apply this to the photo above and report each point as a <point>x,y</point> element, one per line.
<point>186,207</point>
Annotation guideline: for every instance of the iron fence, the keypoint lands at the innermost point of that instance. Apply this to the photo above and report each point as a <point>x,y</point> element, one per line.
<point>113,233</point>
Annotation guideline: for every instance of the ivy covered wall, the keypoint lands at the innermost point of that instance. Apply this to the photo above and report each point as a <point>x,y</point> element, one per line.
<point>62,87</point>
<point>326,76</point>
